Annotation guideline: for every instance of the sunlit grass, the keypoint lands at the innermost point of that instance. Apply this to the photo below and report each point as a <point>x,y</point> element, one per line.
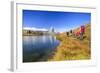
<point>72,48</point>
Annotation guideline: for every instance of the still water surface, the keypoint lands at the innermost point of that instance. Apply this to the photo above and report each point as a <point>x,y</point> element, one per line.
<point>38,48</point>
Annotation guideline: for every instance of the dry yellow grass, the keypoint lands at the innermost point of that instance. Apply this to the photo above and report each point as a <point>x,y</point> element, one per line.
<point>73,49</point>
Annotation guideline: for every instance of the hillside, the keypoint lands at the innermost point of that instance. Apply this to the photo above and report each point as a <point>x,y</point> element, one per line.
<point>72,48</point>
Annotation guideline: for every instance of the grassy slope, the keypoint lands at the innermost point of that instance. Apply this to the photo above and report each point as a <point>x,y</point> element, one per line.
<point>72,48</point>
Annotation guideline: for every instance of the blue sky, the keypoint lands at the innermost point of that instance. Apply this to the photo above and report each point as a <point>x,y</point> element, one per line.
<point>60,21</point>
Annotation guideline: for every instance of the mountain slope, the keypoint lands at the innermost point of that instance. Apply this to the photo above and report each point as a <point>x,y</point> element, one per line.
<point>72,48</point>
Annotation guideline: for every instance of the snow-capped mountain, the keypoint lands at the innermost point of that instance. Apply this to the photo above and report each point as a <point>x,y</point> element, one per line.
<point>35,29</point>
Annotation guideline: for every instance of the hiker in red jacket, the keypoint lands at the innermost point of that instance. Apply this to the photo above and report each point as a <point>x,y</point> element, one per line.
<point>77,34</point>
<point>82,31</point>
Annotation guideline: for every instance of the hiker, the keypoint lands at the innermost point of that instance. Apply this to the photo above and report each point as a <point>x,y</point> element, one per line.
<point>82,31</point>
<point>78,34</point>
<point>67,33</point>
<point>71,32</point>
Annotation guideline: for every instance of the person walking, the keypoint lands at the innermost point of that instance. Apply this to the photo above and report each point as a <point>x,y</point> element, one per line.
<point>82,31</point>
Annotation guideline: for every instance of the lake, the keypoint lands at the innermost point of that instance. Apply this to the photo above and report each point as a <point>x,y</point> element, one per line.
<point>39,48</point>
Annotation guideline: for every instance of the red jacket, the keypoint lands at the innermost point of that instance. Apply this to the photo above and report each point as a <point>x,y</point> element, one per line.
<point>82,29</point>
<point>77,33</point>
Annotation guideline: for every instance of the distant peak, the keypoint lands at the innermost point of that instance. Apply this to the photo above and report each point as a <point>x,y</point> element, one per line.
<point>35,29</point>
